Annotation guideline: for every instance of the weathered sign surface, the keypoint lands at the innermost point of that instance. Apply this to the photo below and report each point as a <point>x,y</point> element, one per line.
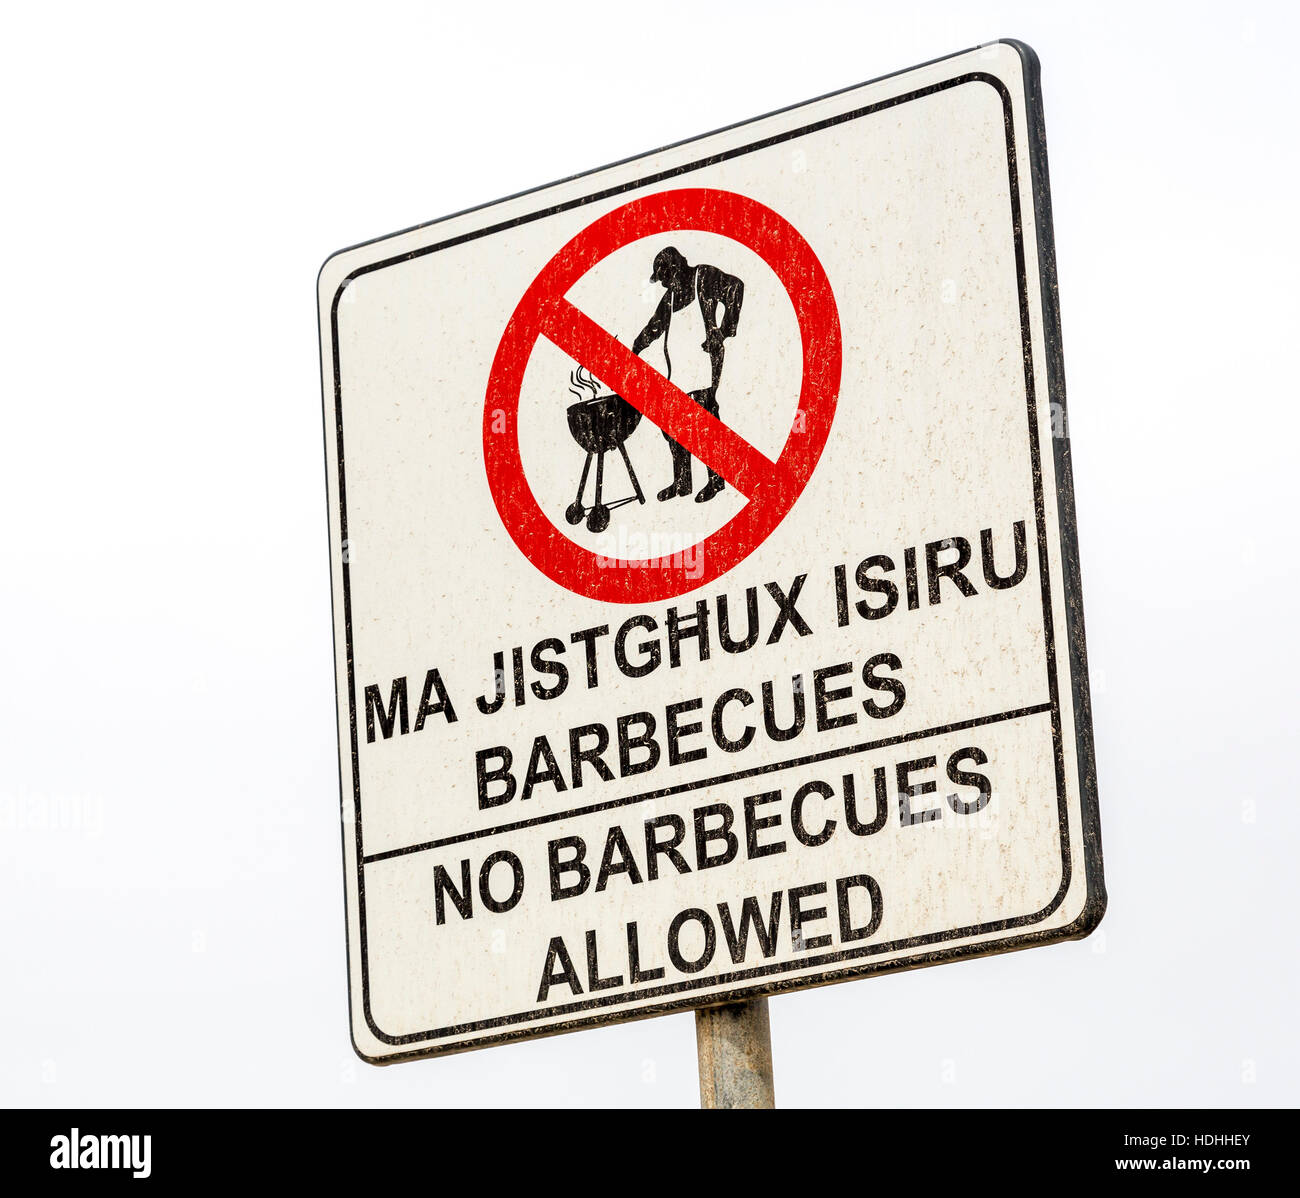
<point>706,595</point>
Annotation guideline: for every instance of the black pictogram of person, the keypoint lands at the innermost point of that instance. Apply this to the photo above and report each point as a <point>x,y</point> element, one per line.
<point>689,290</point>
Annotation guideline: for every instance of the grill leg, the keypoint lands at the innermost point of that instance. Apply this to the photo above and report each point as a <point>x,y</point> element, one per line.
<point>582,482</point>
<point>575,511</point>
<point>598,515</point>
<point>627,461</point>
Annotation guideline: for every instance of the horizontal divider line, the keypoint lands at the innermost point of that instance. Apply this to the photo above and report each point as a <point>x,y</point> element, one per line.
<point>680,788</point>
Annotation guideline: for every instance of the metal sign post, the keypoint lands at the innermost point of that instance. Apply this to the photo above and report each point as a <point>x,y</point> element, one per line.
<point>735,1048</point>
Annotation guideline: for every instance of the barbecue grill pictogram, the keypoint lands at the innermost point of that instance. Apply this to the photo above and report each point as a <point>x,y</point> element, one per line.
<point>600,424</point>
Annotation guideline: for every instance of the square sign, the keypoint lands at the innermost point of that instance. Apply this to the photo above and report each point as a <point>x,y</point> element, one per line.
<point>706,595</point>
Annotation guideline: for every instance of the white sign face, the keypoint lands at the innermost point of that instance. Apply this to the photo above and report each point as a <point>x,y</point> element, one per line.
<point>705,585</point>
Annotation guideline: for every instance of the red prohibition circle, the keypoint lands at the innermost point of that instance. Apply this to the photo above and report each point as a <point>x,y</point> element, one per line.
<point>771,488</point>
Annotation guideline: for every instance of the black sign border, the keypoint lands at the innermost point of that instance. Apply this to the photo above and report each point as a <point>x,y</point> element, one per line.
<point>1095,902</point>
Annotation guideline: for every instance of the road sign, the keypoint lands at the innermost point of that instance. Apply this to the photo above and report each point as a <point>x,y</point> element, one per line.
<point>706,596</point>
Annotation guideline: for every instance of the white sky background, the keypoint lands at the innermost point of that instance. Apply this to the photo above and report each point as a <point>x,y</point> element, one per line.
<point>171,894</point>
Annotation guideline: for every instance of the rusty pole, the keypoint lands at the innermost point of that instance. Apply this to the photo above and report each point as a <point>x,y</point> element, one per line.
<point>735,1050</point>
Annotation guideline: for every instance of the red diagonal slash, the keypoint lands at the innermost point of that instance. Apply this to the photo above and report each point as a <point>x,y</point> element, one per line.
<point>703,436</point>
